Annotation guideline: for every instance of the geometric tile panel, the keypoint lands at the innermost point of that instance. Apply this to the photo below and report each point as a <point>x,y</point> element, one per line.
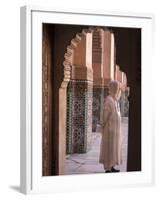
<point>124,104</point>
<point>79,116</point>
<point>99,93</point>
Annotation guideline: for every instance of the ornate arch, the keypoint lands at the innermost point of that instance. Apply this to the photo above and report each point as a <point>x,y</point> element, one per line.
<point>70,68</point>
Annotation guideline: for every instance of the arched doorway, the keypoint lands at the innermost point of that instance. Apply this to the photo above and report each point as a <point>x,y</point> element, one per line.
<point>91,59</point>
<point>127,43</point>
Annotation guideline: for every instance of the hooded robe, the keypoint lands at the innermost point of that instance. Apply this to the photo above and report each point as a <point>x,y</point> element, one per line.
<point>111,141</point>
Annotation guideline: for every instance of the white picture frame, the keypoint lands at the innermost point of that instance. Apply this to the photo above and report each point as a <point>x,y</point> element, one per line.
<point>31,141</point>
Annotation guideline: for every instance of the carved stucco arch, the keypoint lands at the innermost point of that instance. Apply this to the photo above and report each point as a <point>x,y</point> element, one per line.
<point>72,51</point>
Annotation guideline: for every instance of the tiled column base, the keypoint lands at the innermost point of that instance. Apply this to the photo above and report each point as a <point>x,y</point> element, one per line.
<point>99,93</point>
<point>124,104</point>
<point>79,116</point>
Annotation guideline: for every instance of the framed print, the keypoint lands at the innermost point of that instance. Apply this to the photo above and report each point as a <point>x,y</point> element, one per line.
<point>85,94</point>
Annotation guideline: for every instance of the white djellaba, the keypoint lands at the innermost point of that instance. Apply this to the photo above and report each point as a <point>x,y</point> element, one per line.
<point>111,141</point>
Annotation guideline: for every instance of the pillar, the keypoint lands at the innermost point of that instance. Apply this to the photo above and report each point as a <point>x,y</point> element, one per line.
<point>97,64</point>
<point>79,96</point>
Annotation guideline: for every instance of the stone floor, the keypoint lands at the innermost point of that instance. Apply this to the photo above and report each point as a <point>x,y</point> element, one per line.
<point>88,162</point>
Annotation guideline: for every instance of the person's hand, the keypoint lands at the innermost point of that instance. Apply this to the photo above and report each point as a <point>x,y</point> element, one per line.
<point>102,125</point>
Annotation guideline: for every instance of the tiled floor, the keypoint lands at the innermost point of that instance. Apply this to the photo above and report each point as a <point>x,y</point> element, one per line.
<point>88,162</point>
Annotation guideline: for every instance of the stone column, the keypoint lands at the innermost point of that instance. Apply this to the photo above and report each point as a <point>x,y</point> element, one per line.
<point>79,96</point>
<point>103,70</point>
<point>97,64</point>
<point>108,56</point>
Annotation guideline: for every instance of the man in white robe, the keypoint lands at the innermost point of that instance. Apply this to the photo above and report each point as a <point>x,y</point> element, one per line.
<point>111,142</point>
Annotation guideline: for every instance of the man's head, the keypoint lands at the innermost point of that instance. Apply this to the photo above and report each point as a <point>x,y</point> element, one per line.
<point>115,89</point>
